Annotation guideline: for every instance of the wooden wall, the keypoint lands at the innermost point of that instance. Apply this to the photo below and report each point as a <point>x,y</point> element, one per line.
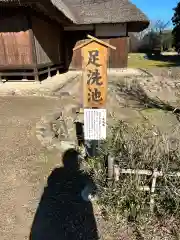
<point>117,58</point>
<point>29,40</point>
<point>72,39</point>
<point>48,41</point>
<point>15,45</point>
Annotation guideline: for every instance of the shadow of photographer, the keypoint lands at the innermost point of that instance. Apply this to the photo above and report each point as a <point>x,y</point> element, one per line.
<point>62,213</point>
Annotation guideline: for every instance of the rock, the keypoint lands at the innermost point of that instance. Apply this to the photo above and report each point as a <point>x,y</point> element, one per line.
<point>58,146</point>
<point>48,134</point>
<point>41,128</point>
<point>64,94</point>
<point>65,145</point>
<point>74,110</point>
<point>50,148</point>
<point>53,116</point>
<point>39,137</point>
<point>47,141</point>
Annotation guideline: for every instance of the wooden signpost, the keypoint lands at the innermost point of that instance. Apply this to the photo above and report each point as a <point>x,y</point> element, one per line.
<point>94,82</point>
<point>95,55</point>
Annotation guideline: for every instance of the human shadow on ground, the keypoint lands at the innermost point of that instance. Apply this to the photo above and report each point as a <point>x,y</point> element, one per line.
<point>62,213</point>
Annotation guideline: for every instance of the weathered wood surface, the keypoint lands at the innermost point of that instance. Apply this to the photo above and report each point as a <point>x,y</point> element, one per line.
<point>14,41</point>
<point>94,75</point>
<point>116,59</point>
<point>48,41</point>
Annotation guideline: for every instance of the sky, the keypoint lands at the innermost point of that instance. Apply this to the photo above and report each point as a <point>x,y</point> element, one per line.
<point>157,9</point>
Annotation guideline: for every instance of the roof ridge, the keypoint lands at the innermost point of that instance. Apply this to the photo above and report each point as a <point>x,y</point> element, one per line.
<point>65,9</point>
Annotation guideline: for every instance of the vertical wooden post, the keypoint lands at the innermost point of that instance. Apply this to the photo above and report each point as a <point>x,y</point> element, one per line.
<point>36,75</point>
<point>49,72</point>
<point>58,72</point>
<point>33,49</point>
<point>153,186</point>
<point>110,168</point>
<point>116,173</point>
<point>94,64</point>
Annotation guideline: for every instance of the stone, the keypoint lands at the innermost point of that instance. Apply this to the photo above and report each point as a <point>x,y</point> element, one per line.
<point>40,129</point>
<point>47,140</point>
<point>75,110</point>
<point>40,126</point>
<point>65,94</point>
<point>48,134</point>
<point>58,146</point>
<point>39,137</point>
<point>65,145</point>
<point>53,116</point>
<point>50,148</point>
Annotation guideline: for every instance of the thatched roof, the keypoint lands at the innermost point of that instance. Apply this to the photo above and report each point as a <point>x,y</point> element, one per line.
<point>96,11</point>
<point>104,11</point>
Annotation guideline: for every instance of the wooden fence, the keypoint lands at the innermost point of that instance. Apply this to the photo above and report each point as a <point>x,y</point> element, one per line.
<point>114,172</point>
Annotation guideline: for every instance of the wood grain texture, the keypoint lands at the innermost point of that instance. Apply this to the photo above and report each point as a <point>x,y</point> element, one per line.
<point>14,41</point>
<point>48,41</point>
<point>95,77</point>
<point>16,48</point>
<point>117,58</point>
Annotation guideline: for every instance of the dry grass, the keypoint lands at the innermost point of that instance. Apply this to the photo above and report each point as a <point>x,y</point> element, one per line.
<point>138,148</point>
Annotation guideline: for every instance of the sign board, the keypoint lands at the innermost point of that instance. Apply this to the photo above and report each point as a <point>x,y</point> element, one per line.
<point>94,81</point>
<point>94,75</point>
<point>95,124</point>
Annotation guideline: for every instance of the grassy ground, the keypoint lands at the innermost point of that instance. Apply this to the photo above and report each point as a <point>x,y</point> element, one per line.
<point>137,60</point>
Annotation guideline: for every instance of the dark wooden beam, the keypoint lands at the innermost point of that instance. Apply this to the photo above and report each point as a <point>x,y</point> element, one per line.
<point>33,47</point>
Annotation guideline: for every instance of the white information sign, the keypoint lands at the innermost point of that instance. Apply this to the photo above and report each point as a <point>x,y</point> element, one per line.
<point>95,124</point>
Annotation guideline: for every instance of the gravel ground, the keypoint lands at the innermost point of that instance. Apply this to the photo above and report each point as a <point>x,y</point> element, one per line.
<point>24,163</point>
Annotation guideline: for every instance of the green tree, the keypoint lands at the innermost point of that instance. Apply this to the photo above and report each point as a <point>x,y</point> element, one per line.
<point>167,40</point>
<point>176,30</point>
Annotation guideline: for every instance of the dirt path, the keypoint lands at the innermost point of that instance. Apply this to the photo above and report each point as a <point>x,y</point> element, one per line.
<point>24,163</point>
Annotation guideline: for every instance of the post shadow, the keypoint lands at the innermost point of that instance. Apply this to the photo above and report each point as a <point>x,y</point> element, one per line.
<point>80,133</point>
<point>90,145</point>
<point>62,214</point>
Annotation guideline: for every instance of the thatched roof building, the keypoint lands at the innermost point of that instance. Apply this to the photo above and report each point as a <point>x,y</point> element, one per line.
<point>89,11</point>
<point>103,11</point>
<point>39,34</point>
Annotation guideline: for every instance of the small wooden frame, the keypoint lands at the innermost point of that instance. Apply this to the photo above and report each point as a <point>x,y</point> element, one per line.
<point>155,174</point>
